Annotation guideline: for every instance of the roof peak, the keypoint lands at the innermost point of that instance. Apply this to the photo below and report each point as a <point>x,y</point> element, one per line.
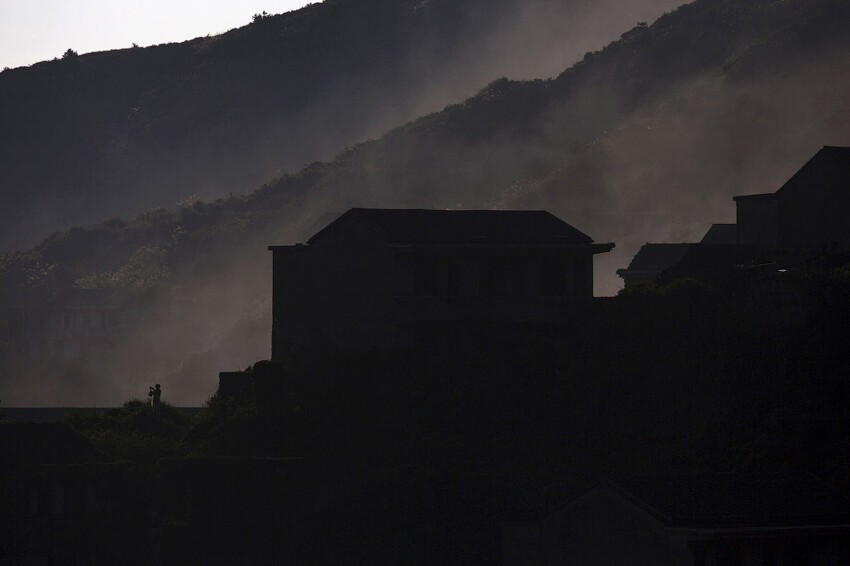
<point>453,210</point>
<point>462,226</point>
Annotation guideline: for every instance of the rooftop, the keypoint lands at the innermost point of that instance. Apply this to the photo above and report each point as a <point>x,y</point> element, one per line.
<point>420,226</point>
<point>721,234</point>
<point>738,500</point>
<point>655,258</point>
<point>829,158</point>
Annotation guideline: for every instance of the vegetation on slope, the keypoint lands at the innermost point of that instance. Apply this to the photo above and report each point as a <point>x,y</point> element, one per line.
<point>94,135</point>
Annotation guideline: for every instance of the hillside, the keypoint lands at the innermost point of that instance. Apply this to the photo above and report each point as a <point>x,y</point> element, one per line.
<point>90,136</point>
<point>647,139</point>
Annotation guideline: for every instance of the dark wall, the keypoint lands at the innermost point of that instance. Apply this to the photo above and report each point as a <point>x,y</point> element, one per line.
<point>814,206</point>
<point>352,290</point>
<point>758,221</point>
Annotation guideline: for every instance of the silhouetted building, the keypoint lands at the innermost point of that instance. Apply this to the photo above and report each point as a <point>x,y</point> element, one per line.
<point>376,275</point>
<point>78,324</point>
<point>721,234</point>
<point>809,210</point>
<point>692,520</point>
<point>652,260</point>
<point>59,504</point>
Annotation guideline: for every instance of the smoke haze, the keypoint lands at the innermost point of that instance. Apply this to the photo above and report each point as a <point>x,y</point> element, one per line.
<point>624,153</point>
<point>118,132</point>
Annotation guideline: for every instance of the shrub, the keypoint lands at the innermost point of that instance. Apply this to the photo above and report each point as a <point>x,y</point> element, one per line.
<point>134,432</point>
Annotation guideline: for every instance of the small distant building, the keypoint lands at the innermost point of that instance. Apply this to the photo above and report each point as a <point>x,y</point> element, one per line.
<point>710,259</point>
<point>811,209</point>
<point>693,520</point>
<point>375,276</point>
<point>76,325</point>
<point>651,261</point>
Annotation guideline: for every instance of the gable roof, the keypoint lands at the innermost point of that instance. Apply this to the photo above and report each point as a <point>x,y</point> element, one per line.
<point>827,158</point>
<point>420,226</point>
<point>652,259</point>
<point>721,234</point>
<point>738,500</point>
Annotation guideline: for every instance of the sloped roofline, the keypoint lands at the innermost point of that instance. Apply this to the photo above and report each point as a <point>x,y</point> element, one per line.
<point>360,213</point>
<point>618,490</point>
<point>681,524</point>
<point>755,197</point>
<point>825,151</point>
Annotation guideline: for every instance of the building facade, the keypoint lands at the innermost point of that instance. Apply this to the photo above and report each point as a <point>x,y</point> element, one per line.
<point>811,209</point>
<point>374,276</point>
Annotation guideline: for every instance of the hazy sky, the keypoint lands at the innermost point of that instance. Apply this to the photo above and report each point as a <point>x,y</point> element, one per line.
<point>37,30</point>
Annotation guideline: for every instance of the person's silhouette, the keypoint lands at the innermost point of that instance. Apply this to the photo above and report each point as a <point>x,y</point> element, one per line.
<point>155,394</point>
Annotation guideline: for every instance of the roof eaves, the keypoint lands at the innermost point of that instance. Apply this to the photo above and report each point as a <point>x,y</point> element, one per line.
<point>642,504</point>
<point>581,234</point>
<point>357,212</point>
<point>785,529</point>
<point>834,152</point>
<point>754,197</point>
<point>602,248</point>
<point>288,246</point>
<point>597,248</point>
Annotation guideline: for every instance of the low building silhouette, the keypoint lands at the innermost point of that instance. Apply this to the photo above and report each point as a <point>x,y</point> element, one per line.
<point>782,518</point>
<point>378,275</point>
<point>651,261</point>
<point>60,504</point>
<point>810,210</point>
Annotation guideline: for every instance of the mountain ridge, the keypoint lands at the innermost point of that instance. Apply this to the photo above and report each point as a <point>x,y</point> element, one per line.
<point>91,136</point>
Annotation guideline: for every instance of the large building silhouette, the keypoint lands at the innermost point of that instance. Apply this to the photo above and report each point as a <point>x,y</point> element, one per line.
<point>809,210</point>
<point>375,277</point>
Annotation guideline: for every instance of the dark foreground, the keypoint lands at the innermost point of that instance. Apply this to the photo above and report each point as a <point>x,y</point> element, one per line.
<point>432,457</point>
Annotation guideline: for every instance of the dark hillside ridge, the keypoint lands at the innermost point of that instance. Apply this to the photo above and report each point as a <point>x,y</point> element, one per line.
<point>459,153</point>
<point>113,133</point>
